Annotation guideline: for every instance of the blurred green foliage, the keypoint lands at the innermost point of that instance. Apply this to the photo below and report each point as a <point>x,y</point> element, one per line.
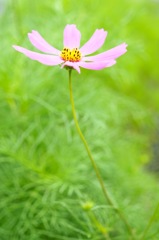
<point>48,188</point>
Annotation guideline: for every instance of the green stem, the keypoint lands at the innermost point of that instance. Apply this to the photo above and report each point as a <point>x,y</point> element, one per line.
<point>150,222</point>
<point>106,195</point>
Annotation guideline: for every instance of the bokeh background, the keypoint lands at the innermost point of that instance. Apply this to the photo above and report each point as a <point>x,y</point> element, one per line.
<point>48,189</point>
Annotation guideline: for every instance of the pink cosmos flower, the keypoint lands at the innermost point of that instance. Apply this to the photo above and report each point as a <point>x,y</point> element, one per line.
<point>73,55</point>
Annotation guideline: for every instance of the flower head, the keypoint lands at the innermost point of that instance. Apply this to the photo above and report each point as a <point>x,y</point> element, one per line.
<point>72,55</point>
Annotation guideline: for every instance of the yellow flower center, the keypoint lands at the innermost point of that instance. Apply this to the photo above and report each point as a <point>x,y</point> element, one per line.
<point>72,55</point>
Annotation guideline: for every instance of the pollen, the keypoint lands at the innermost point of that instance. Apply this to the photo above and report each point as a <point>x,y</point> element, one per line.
<point>71,55</point>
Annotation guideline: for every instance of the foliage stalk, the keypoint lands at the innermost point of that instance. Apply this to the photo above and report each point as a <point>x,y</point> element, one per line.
<point>98,175</point>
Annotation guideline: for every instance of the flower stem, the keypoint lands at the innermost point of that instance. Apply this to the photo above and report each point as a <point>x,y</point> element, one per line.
<point>150,222</point>
<point>105,192</point>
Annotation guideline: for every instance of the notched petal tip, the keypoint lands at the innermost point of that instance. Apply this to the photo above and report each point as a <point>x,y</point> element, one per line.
<point>39,42</point>
<point>16,47</point>
<point>34,31</point>
<point>124,46</point>
<point>98,65</point>
<point>70,25</point>
<point>46,59</point>
<point>94,43</point>
<point>110,54</point>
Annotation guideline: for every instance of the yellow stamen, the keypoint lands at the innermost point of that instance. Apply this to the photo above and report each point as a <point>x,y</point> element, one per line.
<point>71,55</point>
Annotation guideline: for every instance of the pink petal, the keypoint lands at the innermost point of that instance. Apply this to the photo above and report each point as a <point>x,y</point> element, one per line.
<point>37,40</point>
<point>42,58</point>
<point>94,43</point>
<point>72,36</point>
<point>72,64</point>
<point>108,55</point>
<point>97,65</point>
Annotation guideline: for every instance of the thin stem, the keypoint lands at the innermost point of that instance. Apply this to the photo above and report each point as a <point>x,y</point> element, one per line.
<point>105,192</point>
<point>150,222</point>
